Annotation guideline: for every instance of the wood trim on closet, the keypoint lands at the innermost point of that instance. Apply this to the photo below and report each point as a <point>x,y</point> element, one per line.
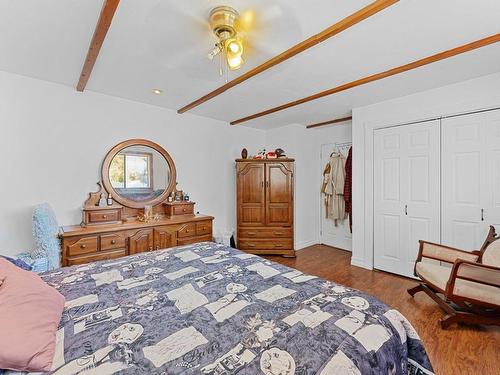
<point>335,29</point>
<point>378,76</point>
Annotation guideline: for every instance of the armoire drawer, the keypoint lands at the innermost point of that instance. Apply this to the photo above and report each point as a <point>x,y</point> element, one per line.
<point>112,241</point>
<point>82,246</point>
<point>265,233</point>
<point>267,244</point>
<point>187,241</point>
<point>96,257</point>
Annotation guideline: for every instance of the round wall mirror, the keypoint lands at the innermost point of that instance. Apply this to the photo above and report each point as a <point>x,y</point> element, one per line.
<point>138,172</point>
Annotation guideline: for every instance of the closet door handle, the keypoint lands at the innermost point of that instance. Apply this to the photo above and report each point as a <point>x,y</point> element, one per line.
<point>262,183</point>
<point>482,214</point>
<point>406,209</point>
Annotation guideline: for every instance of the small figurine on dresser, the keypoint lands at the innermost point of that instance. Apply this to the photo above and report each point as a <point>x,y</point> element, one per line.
<point>102,201</point>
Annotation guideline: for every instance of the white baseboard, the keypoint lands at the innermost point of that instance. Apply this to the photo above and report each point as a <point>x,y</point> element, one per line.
<point>359,263</point>
<point>300,245</point>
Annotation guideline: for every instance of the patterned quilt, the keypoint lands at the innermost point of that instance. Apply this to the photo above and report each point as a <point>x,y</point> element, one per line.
<point>210,309</point>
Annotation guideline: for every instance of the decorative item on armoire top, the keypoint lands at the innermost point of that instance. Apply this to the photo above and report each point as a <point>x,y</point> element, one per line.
<point>280,153</point>
<point>271,155</point>
<point>244,153</point>
<point>102,201</point>
<point>261,154</point>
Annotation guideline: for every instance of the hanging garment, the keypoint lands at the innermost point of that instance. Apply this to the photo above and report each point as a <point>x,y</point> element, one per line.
<point>348,187</point>
<point>333,187</point>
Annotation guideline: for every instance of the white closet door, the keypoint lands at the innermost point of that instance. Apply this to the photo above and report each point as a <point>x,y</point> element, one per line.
<point>471,178</point>
<point>491,215</point>
<point>406,194</point>
<point>339,235</point>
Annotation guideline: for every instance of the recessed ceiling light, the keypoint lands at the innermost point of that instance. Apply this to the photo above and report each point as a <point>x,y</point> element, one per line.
<point>157,91</point>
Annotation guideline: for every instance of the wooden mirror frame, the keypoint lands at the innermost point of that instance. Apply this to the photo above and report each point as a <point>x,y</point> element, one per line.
<point>128,202</point>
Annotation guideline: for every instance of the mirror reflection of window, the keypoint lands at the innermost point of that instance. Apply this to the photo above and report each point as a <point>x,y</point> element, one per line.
<point>132,170</point>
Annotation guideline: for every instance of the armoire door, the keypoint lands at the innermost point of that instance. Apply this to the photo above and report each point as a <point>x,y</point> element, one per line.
<point>250,181</point>
<point>471,178</point>
<point>279,195</point>
<point>141,241</point>
<point>406,194</point>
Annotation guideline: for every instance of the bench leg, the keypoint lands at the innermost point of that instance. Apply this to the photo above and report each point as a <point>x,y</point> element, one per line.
<point>415,289</point>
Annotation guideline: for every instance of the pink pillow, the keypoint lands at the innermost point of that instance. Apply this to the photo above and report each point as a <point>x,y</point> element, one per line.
<point>30,312</point>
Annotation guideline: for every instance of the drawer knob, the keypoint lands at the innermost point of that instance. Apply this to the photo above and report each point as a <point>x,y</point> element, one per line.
<point>184,210</point>
<point>104,216</point>
<point>83,246</point>
<point>278,245</point>
<point>278,233</point>
<point>251,233</point>
<point>113,242</point>
<point>251,245</point>
<point>187,230</point>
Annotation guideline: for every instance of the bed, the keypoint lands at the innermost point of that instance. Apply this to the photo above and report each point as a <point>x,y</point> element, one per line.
<point>210,309</point>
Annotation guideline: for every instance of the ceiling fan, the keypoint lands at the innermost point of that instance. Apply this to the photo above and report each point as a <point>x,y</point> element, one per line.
<point>231,36</point>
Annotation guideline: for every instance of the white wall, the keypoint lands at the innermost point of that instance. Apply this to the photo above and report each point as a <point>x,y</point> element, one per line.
<point>53,140</point>
<point>475,94</point>
<point>305,145</point>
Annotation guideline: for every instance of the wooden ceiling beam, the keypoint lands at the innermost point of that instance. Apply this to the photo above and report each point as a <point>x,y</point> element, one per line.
<point>335,29</point>
<point>335,121</point>
<point>101,29</point>
<point>375,77</point>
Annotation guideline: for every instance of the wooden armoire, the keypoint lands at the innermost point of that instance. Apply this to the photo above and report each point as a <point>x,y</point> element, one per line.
<point>265,206</point>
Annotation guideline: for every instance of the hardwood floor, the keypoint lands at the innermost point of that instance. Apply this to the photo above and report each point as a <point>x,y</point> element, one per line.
<point>467,350</point>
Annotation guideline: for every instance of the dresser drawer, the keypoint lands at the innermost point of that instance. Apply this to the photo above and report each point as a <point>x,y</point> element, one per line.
<point>187,230</point>
<point>187,241</point>
<point>84,245</point>
<point>183,209</point>
<point>204,227</point>
<point>94,258</point>
<point>265,233</point>
<point>112,241</point>
<point>268,244</point>
<point>103,216</point>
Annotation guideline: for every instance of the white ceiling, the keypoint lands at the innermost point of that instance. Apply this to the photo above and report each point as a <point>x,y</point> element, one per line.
<point>164,43</point>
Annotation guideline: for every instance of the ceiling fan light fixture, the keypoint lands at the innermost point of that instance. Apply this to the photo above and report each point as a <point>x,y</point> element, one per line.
<point>234,46</point>
<point>235,63</point>
<point>223,20</point>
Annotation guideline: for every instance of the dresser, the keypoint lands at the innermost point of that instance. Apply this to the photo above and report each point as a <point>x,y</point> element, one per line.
<point>92,243</point>
<point>264,189</point>
<point>137,208</point>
